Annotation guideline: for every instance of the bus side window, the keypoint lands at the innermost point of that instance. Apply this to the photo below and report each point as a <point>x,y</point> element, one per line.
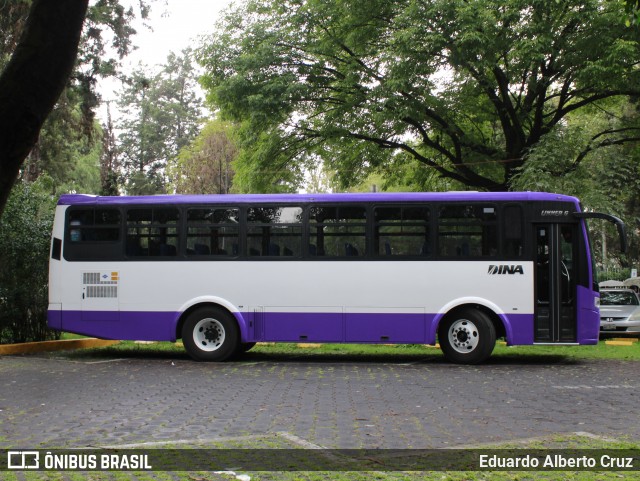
<point>512,231</point>
<point>213,232</point>
<point>402,231</point>
<point>337,231</point>
<point>274,231</point>
<point>152,232</point>
<point>92,233</point>
<point>467,230</point>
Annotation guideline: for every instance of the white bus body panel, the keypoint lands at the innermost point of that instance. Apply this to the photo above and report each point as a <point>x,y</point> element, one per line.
<point>417,291</point>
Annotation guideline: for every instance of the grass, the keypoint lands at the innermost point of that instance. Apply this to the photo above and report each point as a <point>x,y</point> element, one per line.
<point>502,354</point>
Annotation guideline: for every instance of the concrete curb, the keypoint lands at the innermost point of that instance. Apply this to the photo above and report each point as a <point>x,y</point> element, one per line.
<point>619,343</point>
<point>48,346</point>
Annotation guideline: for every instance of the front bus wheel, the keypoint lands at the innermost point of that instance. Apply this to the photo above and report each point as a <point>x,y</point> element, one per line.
<point>210,334</point>
<point>467,336</point>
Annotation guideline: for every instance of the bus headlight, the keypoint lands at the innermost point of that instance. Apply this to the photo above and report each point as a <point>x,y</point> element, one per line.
<point>596,302</point>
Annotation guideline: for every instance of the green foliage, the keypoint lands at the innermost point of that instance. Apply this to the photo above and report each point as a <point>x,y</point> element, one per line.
<point>69,140</point>
<point>465,89</point>
<point>13,15</point>
<point>161,116</point>
<point>66,150</point>
<point>108,23</point>
<point>263,163</point>
<point>205,166</point>
<point>605,180</point>
<point>69,137</point>
<point>597,179</point>
<point>25,233</point>
<point>632,10</point>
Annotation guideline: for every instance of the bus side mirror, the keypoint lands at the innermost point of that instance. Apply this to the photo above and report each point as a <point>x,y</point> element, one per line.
<point>622,230</point>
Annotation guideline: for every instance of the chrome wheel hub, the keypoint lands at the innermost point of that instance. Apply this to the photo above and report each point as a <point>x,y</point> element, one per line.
<point>209,334</point>
<point>463,336</point>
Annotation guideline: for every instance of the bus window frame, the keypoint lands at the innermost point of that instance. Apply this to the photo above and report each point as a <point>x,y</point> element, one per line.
<point>497,223</point>
<point>370,224</point>
<point>71,248</point>
<point>179,226</point>
<point>367,255</point>
<point>525,223</point>
<point>245,225</point>
<point>374,224</point>
<point>184,235</point>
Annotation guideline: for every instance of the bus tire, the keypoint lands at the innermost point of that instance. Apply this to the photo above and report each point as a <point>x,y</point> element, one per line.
<point>467,336</point>
<point>210,334</point>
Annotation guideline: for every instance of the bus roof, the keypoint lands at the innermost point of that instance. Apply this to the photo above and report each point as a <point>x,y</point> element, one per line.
<point>399,197</point>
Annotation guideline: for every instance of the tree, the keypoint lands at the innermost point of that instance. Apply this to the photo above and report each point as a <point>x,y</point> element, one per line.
<point>606,180</point>
<point>205,166</point>
<point>64,147</point>
<point>632,10</point>
<point>466,89</point>
<point>47,49</point>
<point>109,164</point>
<point>12,20</point>
<point>162,114</point>
<point>25,238</point>
<point>33,80</point>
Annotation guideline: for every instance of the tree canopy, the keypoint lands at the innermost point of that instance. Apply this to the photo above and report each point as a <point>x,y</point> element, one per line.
<point>161,114</point>
<point>33,80</point>
<point>48,49</point>
<point>466,89</point>
<point>204,166</point>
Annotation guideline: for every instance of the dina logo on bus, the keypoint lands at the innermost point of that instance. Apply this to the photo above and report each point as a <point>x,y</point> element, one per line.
<point>506,269</point>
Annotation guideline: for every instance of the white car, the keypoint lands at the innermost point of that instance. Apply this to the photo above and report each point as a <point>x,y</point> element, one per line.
<point>619,313</point>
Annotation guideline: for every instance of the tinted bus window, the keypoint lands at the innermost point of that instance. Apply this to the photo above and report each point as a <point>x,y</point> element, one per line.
<point>274,231</point>
<point>467,231</point>
<point>152,232</point>
<point>94,225</point>
<point>402,231</point>
<point>337,231</point>
<point>93,234</point>
<point>212,232</point>
<point>513,229</point>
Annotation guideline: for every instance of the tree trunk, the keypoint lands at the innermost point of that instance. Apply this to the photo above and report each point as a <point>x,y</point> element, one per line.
<point>34,79</point>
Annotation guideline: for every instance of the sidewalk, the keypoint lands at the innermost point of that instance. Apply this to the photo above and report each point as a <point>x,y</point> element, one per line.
<point>49,346</point>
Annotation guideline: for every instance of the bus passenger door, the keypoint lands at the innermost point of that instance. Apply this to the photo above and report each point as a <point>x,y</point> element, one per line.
<point>555,292</point>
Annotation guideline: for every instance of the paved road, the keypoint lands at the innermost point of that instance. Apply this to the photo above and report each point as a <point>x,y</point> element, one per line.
<point>332,402</point>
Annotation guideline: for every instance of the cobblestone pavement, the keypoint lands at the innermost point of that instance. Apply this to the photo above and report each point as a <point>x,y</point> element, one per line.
<point>333,403</point>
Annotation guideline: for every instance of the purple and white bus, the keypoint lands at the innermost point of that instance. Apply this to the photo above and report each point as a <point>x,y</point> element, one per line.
<point>222,272</point>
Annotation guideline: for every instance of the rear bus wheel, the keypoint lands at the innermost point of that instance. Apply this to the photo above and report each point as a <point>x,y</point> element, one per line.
<point>210,334</point>
<point>467,336</point>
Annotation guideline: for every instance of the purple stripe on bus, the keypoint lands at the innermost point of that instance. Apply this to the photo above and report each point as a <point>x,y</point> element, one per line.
<point>54,319</point>
<point>120,325</point>
<point>278,326</point>
<point>589,316</point>
<point>342,327</point>
<point>394,328</point>
<point>519,328</point>
<point>230,199</point>
<point>296,327</point>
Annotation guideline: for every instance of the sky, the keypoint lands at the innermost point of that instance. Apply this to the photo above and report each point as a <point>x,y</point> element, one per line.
<point>175,24</point>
